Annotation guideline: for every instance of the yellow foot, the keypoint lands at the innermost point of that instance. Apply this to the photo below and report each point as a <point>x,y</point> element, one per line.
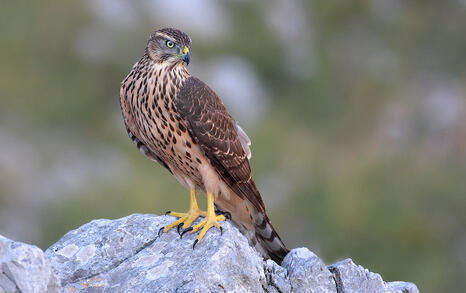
<point>210,221</point>
<point>185,219</point>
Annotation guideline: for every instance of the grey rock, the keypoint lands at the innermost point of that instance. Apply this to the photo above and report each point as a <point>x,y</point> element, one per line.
<point>350,277</point>
<point>276,277</point>
<point>307,272</point>
<point>125,255</point>
<point>101,245</point>
<point>403,287</point>
<point>25,268</point>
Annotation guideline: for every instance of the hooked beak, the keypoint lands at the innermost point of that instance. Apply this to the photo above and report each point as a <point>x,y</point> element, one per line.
<point>186,57</point>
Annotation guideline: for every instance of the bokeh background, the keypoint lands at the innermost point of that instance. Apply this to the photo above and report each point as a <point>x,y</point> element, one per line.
<point>356,110</point>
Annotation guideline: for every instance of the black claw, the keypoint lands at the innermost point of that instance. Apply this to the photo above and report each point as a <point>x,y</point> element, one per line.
<point>185,231</point>
<point>226,214</point>
<point>221,230</point>
<point>178,228</point>
<point>195,242</point>
<point>160,232</point>
<point>167,212</point>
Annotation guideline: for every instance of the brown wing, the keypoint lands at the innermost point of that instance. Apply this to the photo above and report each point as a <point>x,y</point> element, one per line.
<point>212,127</point>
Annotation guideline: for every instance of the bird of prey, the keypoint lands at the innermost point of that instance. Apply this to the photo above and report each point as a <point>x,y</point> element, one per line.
<point>177,120</point>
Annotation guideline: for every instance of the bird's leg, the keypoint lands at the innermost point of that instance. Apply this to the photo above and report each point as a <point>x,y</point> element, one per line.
<point>211,219</point>
<point>186,219</point>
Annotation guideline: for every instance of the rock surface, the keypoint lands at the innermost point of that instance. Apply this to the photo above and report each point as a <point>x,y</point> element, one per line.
<point>124,255</point>
<point>24,268</point>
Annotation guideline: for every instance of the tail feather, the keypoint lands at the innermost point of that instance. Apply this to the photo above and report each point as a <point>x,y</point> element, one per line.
<point>268,240</point>
<point>248,213</point>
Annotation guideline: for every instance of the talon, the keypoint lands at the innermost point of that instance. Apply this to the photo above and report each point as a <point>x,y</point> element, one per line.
<point>179,227</point>
<point>167,212</point>
<point>227,215</point>
<point>160,232</point>
<point>211,220</point>
<point>185,231</point>
<point>185,219</point>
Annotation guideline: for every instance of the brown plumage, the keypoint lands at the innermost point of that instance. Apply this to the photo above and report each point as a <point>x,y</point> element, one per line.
<point>177,120</point>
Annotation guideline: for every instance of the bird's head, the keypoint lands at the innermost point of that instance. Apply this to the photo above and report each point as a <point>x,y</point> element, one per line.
<point>169,45</point>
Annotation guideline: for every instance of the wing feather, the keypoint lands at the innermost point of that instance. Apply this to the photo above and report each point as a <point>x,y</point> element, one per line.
<point>219,137</point>
<point>245,141</point>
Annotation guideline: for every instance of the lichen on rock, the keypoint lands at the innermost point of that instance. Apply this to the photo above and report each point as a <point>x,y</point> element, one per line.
<point>126,255</point>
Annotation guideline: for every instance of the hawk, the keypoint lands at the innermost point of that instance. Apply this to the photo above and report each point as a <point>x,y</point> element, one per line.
<point>177,120</point>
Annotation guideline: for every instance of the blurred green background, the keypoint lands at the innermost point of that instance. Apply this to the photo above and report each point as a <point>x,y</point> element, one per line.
<point>356,111</point>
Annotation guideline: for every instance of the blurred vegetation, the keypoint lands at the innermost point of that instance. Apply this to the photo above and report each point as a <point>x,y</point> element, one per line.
<point>395,203</point>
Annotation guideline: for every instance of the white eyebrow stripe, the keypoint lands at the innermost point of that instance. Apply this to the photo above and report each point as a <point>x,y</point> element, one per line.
<point>165,36</point>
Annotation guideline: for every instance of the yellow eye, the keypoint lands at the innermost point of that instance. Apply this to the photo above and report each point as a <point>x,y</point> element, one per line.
<point>170,44</point>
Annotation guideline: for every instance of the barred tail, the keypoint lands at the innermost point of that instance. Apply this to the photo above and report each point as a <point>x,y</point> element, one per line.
<point>246,208</point>
<point>268,240</point>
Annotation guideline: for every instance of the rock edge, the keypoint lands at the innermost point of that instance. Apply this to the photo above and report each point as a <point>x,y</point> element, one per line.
<point>124,255</point>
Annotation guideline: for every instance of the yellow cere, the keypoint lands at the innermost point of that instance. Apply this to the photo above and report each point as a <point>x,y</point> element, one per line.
<point>185,50</point>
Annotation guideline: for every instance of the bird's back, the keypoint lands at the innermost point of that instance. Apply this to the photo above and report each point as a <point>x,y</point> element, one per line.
<point>218,136</point>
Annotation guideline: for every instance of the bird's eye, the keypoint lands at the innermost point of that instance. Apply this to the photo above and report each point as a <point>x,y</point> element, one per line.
<point>170,44</point>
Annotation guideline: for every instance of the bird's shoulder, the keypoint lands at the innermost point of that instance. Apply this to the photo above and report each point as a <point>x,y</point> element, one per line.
<point>212,127</point>
<point>195,92</point>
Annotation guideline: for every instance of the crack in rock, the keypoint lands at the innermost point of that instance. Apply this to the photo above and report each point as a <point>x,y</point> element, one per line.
<point>123,255</point>
<point>337,278</point>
